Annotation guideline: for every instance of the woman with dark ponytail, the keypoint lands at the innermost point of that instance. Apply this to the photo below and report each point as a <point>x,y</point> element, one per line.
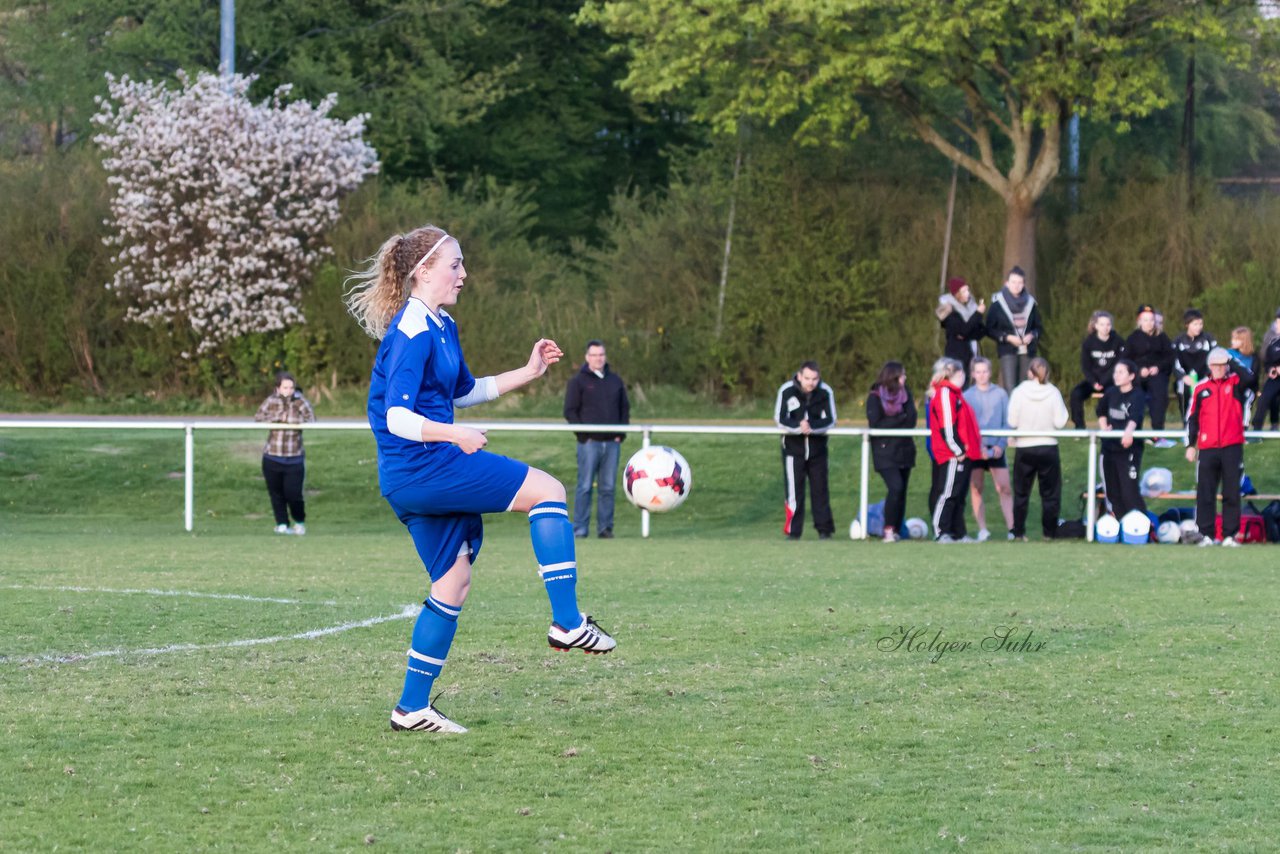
<point>435,474</point>
<point>889,406</point>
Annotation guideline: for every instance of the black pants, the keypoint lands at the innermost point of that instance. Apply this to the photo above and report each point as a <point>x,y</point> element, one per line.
<point>895,502</point>
<point>1082,392</point>
<point>795,471</point>
<point>1121,472</point>
<point>1219,465</point>
<point>284,485</point>
<point>1184,393</point>
<point>1157,391</point>
<point>1268,400</point>
<point>946,498</point>
<point>1029,464</point>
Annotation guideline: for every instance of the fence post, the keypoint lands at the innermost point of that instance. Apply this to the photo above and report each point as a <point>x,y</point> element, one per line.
<point>189,476</point>
<point>1091,500</point>
<point>864,482</point>
<point>644,514</point>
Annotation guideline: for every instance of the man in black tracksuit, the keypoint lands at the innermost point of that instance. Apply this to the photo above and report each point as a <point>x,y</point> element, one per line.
<point>805,410</point>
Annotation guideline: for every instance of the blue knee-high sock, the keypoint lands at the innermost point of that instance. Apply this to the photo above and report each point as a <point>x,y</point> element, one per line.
<point>552,535</point>
<point>432,636</point>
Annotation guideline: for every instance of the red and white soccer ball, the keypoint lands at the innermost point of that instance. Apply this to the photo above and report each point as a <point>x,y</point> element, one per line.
<point>657,478</point>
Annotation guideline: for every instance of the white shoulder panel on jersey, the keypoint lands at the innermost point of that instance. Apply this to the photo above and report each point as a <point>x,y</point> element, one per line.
<point>414,320</point>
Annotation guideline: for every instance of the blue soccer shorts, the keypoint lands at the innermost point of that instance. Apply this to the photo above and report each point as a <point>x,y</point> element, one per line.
<point>442,510</point>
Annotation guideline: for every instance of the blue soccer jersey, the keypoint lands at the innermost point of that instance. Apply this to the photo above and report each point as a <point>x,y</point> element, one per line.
<point>420,367</point>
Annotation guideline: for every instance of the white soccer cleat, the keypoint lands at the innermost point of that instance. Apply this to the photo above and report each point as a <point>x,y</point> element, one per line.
<point>1230,542</point>
<point>1210,541</point>
<point>429,719</point>
<point>588,637</point>
<point>282,529</point>
<point>299,529</point>
<point>983,535</point>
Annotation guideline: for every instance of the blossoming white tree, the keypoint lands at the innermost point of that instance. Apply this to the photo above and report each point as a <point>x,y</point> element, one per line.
<point>220,205</point>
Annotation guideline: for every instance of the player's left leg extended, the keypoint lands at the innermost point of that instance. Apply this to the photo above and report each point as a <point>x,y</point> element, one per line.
<point>543,498</point>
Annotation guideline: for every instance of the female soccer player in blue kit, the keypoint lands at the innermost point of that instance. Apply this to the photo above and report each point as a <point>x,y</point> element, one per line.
<point>435,474</point>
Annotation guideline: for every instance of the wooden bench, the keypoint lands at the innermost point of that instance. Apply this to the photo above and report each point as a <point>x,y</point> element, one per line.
<point>1191,496</point>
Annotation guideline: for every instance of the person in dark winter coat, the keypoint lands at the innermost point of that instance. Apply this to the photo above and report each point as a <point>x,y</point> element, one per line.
<point>1260,377</point>
<point>1099,351</point>
<point>890,406</point>
<point>1270,369</point>
<point>1215,443</point>
<point>962,322</point>
<point>806,410</point>
<point>1151,351</point>
<point>596,395</point>
<point>1191,357</point>
<point>1014,322</point>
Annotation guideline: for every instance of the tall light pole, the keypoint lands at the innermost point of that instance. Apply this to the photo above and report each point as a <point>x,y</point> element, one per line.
<point>227,59</point>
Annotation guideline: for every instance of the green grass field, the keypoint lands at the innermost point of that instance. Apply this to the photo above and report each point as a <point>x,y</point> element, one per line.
<point>760,697</point>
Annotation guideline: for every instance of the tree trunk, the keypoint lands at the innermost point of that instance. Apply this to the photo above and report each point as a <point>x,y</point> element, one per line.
<point>728,241</point>
<point>1020,240</point>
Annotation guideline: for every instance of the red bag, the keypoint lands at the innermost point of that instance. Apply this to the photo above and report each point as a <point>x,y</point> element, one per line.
<point>1252,529</point>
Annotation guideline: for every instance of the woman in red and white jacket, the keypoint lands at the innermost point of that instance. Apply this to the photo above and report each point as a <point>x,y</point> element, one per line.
<point>955,441</point>
<point>1215,432</point>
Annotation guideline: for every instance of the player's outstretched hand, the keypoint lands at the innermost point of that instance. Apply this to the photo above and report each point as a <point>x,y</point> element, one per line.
<point>545,354</point>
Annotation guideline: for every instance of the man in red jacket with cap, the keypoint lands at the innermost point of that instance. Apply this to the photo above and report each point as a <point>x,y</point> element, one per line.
<point>1215,432</point>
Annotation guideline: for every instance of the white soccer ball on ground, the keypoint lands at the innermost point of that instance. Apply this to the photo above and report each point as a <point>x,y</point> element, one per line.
<point>1190,531</point>
<point>657,479</point>
<point>917,528</point>
<point>1169,532</point>
<point>855,530</point>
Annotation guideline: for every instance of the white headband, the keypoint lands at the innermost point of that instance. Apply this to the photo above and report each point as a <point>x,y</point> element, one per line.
<point>424,258</point>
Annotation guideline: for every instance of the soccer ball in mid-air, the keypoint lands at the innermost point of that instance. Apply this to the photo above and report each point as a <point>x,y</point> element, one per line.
<point>657,478</point>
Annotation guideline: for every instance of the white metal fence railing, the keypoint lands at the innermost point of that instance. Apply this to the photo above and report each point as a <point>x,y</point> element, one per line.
<point>646,431</point>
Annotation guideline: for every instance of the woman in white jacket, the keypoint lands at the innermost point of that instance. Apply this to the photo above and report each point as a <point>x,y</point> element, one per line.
<point>1036,405</point>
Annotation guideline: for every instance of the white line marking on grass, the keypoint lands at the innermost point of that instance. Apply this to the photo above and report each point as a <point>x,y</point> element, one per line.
<point>57,658</point>
<point>194,594</point>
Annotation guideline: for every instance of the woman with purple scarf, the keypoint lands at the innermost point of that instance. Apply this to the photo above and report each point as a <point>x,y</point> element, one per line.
<point>1014,323</point>
<point>889,406</point>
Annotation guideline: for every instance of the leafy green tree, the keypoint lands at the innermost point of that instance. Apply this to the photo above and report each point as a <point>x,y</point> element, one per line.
<point>563,129</point>
<point>988,83</point>
<point>404,62</point>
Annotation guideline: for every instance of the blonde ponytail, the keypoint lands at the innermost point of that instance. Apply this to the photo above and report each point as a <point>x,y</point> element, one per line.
<point>379,290</point>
